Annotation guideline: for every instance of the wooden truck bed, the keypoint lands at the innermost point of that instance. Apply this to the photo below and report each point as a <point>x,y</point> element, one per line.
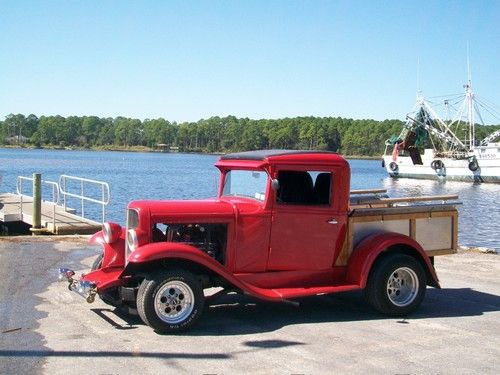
<point>433,225</point>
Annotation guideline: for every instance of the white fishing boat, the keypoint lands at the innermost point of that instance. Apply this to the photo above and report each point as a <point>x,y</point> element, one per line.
<point>431,148</point>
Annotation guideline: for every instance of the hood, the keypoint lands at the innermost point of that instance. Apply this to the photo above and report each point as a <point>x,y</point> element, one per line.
<point>179,209</point>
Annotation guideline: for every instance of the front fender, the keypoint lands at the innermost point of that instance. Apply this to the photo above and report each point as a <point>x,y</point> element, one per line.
<point>114,253</point>
<point>167,250</point>
<point>182,252</point>
<point>97,238</point>
<point>370,248</point>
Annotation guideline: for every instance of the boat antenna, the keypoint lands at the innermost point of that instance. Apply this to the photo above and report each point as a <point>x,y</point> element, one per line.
<point>469,94</point>
<point>469,75</point>
<point>418,74</point>
<point>420,95</point>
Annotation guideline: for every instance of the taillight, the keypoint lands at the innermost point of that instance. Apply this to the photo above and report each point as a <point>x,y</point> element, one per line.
<point>111,232</point>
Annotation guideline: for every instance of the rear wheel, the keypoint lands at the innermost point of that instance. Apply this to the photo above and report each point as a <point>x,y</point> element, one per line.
<point>396,285</point>
<point>170,301</point>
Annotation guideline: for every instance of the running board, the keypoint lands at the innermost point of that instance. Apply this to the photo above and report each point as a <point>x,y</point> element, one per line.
<point>284,294</point>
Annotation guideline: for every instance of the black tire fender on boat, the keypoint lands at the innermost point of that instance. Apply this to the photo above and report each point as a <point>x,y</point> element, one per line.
<point>437,165</point>
<point>393,166</point>
<point>473,166</point>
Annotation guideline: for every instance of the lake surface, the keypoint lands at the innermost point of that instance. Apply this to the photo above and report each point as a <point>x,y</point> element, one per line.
<point>133,176</point>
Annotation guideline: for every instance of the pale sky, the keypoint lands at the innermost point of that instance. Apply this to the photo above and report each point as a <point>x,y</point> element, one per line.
<point>187,60</point>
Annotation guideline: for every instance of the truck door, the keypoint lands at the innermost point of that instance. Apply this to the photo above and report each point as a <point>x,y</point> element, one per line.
<point>307,230</point>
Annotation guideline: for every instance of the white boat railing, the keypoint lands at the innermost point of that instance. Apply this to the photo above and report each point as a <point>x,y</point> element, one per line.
<point>55,194</point>
<point>65,180</point>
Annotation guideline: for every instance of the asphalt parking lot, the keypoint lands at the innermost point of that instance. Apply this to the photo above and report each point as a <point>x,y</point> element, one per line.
<point>46,329</point>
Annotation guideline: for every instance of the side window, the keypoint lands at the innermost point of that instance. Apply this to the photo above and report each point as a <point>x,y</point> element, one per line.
<point>304,187</point>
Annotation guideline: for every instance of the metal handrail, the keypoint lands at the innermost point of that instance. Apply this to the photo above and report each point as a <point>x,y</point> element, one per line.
<point>63,179</point>
<point>55,188</point>
<point>55,194</point>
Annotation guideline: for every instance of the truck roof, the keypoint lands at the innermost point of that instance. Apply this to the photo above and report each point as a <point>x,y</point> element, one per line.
<point>262,155</point>
<point>264,158</point>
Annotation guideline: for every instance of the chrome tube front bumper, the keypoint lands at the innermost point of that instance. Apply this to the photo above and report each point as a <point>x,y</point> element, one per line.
<point>84,288</point>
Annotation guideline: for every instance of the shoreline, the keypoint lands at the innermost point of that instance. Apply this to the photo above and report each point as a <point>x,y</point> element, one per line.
<point>146,149</point>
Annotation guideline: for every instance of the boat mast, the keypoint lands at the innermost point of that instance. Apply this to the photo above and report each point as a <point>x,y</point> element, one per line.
<point>469,95</point>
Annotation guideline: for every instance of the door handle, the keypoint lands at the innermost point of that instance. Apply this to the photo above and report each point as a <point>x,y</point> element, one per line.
<point>333,221</point>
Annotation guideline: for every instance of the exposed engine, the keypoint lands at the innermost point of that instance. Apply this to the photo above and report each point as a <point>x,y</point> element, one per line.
<point>209,238</point>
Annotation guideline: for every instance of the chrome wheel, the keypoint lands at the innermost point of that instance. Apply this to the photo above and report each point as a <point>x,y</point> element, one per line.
<point>174,302</point>
<point>402,286</point>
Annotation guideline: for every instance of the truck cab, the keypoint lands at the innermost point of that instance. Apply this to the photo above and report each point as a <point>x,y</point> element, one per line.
<point>281,227</point>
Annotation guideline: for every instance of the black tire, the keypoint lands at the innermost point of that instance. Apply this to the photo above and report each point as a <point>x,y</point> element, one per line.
<point>170,301</point>
<point>106,297</point>
<point>393,166</point>
<point>97,262</point>
<point>437,165</point>
<point>396,285</point>
<point>473,166</point>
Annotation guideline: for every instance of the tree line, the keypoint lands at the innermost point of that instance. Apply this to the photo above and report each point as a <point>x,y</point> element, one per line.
<point>216,134</point>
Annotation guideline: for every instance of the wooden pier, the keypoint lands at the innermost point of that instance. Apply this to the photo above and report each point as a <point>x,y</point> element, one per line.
<point>54,219</point>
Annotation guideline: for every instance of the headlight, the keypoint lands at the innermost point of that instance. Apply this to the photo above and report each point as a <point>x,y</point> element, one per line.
<point>132,240</point>
<point>111,232</point>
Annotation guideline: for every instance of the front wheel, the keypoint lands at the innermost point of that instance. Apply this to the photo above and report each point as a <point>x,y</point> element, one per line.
<point>97,262</point>
<point>170,301</point>
<point>396,285</point>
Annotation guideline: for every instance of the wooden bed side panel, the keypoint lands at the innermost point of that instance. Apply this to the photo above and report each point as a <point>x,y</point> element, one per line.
<point>435,231</point>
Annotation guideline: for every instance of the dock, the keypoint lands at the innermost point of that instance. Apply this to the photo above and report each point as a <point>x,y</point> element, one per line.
<point>55,217</point>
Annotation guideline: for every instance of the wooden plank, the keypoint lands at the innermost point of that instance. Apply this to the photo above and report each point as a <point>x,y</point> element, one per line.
<point>368,191</point>
<point>413,228</point>
<point>410,199</point>
<point>346,251</point>
<point>433,253</point>
<point>402,216</point>
<point>383,211</point>
<point>455,231</point>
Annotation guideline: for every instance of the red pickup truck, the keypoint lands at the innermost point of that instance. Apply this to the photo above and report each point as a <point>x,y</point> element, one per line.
<point>284,225</point>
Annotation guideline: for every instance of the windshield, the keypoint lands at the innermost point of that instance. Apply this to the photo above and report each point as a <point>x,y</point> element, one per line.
<point>249,184</point>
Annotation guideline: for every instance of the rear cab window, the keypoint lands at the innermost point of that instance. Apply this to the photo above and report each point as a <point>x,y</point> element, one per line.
<point>305,187</point>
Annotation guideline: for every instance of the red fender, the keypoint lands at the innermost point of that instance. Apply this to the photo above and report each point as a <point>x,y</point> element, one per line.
<point>180,251</point>
<point>114,254</point>
<point>97,238</point>
<point>365,254</point>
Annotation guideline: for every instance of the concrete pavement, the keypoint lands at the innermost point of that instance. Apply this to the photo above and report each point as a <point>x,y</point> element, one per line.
<point>46,329</point>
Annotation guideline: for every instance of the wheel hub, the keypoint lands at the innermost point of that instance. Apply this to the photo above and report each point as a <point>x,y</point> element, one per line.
<point>174,302</point>
<point>402,286</point>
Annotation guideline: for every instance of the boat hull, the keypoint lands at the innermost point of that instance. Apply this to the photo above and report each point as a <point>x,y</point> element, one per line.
<point>488,168</point>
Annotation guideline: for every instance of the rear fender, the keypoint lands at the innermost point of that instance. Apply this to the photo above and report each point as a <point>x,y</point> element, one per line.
<point>114,253</point>
<point>372,247</point>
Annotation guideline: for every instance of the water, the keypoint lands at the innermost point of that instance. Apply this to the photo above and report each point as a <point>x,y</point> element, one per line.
<point>191,176</point>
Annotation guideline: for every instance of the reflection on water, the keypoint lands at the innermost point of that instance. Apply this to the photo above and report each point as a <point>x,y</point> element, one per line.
<point>188,176</point>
